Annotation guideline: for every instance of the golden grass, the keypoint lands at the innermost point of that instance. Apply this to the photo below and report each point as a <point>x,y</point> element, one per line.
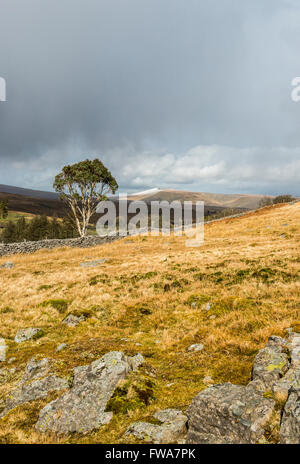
<point>153,292</point>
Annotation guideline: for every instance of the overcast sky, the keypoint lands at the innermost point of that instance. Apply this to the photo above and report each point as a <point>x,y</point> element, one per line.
<point>185,94</point>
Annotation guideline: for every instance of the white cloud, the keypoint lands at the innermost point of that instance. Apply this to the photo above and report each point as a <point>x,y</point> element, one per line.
<point>203,168</point>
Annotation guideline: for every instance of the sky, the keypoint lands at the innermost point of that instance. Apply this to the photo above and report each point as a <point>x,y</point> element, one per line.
<point>184,94</point>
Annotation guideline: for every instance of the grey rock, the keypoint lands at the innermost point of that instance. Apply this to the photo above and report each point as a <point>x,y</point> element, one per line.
<point>172,430</point>
<point>282,386</point>
<point>271,363</point>
<point>93,263</point>
<point>61,347</point>
<point>294,346</point>
<point>27,334</point>
<point>228,413</point>
<point>37,382</point>
<point>7,265</point>
<point>72,321</point>
<point>196,347</point>
<point>82,408</point>
<point>290,423</point>
<point>3,349</point>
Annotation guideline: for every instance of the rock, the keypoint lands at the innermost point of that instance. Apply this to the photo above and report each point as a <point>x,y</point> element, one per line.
<point>7,265</point>
<point>228,413</point>
<point>3,349</point>
<point>281,388</point>
<point>11,360</point>
<point>28,334</point>
<point>37,382</point>
<point>93,263</point>
<point>290,423</point>
<point>208,306</point>
<point>172,430</point>
<point>294,346</point>
<point>196,347</point>
<point>271,363</point>
<point>61,347</point>
<point>83,407</point>
<point>72,320</point>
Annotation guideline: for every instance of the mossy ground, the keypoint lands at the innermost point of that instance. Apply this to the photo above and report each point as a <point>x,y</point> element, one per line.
<point>151,296</point>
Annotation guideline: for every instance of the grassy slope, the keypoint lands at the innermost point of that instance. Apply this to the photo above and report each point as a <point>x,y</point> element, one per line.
<point>247,270</point>
<point>14,216</point>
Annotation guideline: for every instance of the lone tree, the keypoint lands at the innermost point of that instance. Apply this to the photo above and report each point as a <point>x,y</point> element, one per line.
<point>82,185</point>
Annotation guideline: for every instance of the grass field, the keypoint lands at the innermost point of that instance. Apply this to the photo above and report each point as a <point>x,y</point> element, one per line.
<point>151,296</point>
<point>14,216</point>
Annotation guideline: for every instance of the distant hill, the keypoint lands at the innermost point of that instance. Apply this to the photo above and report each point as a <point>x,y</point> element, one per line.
<point>42,202</point>
<point>234,200</point>
<point>28,192</point>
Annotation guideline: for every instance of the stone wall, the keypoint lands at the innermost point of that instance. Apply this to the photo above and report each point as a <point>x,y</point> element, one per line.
<point>31,247</point>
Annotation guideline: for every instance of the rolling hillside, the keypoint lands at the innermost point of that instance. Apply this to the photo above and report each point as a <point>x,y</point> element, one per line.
<point>154,296</point>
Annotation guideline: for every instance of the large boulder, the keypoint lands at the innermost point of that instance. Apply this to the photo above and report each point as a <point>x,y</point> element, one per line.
<point>228,413</point>
<point>37,382</point>
<point>83,407</point>
<point>172,429</point>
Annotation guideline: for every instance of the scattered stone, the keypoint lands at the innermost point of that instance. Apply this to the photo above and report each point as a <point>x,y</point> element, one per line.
<point>72,320</point>
<point>196,347</point>
<point>28,334</point>
<point>228,413</point>
<point>93,263</point>
<point>11,360</point>
<point>37,382</point>
<point>194,305</point>
<point>173,428</point>
<point>208,306</point>
<point>7,265</point>
<point>3,349</point>
<point>290,423</point>
<point>282,236</point>
<point>82,408</point>
<point>61,347</point>
<point>213,316</point>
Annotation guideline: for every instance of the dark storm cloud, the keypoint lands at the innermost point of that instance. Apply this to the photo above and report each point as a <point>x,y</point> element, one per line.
<point>194,93</point>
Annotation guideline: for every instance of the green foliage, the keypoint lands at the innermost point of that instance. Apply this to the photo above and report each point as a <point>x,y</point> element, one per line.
<point>39,228</point>
<point>4,208</point>
<point>283,199</point>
